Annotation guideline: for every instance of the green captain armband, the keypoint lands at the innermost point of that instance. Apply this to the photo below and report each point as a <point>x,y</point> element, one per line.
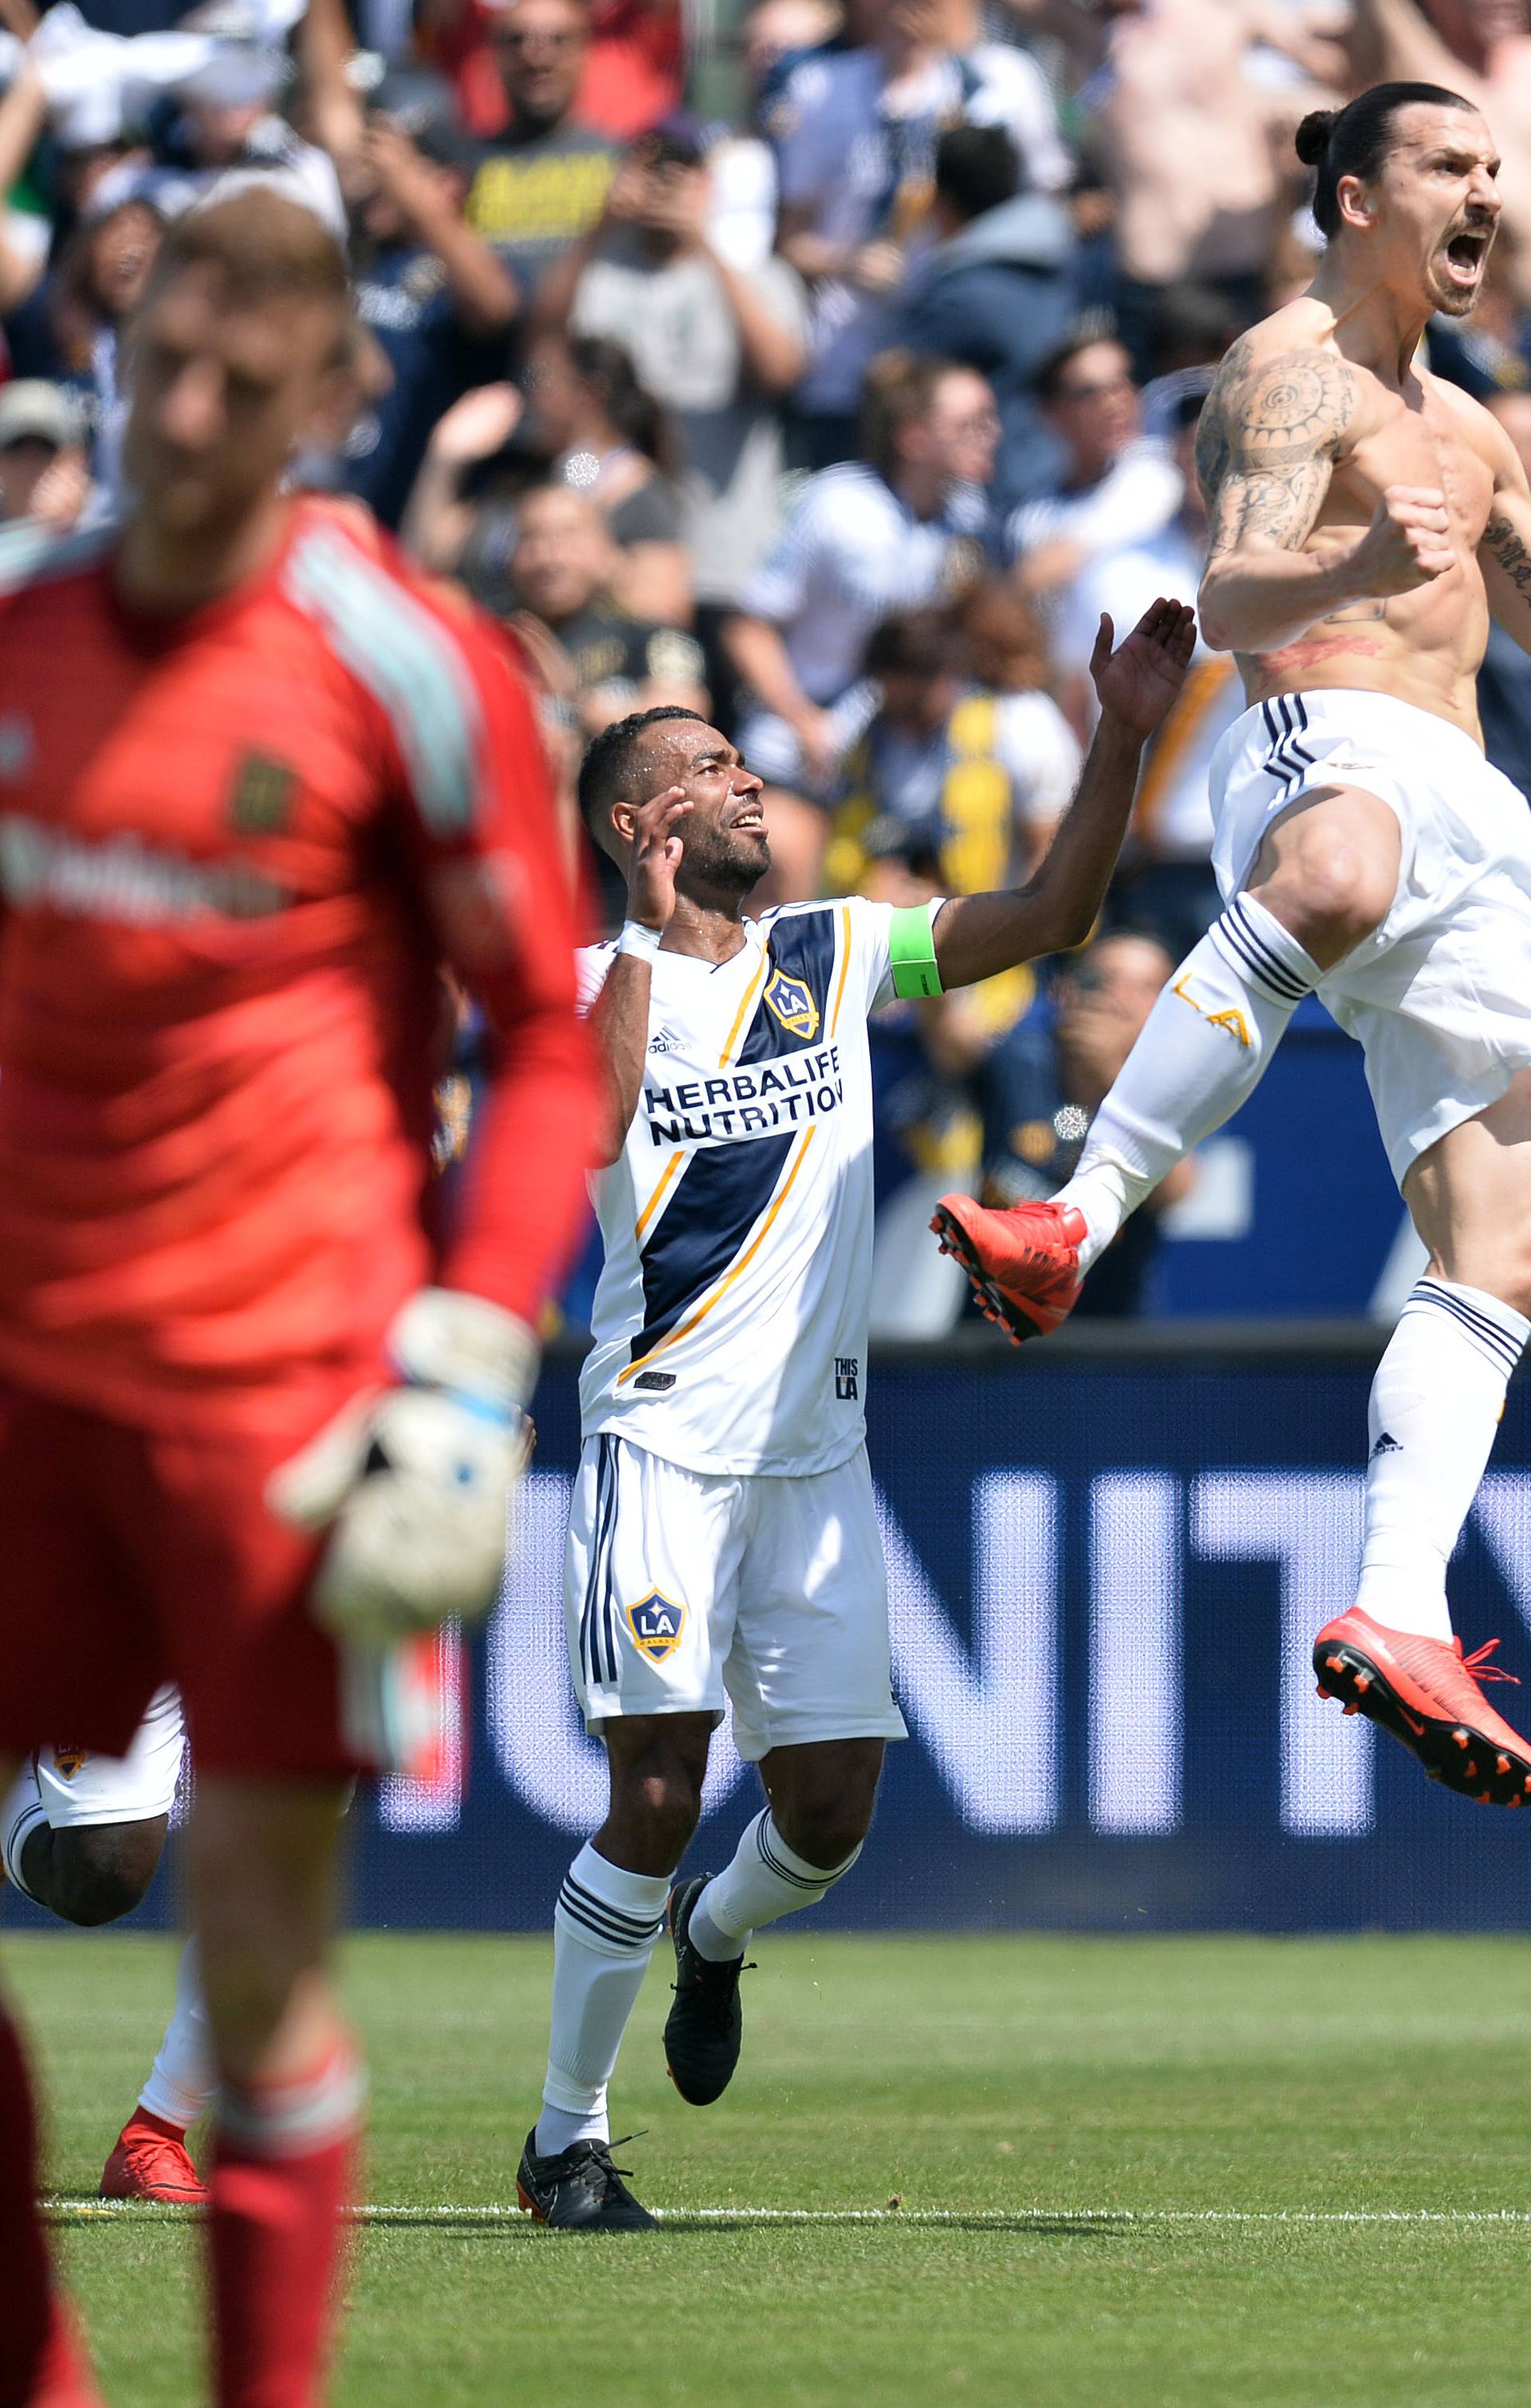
<point>911,944</point>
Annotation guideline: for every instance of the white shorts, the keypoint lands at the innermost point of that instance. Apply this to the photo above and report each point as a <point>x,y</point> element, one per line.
<point>78,1788</point>
<point>682,1587</point>
<point>1440,996</point>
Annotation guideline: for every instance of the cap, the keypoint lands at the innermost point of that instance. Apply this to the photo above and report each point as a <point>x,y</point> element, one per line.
<point>31,410</point>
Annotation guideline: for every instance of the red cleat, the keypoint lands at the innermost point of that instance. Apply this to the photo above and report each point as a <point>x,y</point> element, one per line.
<point>1427,1693</point>
<point>150,2161</point>
<point>1022,1265</point>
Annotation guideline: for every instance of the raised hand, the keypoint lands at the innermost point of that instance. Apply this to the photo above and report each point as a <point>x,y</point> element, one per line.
<point>657,849</point>
<point>1138,681</point>
<point>1408,544</point>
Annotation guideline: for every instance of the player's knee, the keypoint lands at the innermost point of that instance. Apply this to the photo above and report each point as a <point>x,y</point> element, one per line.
<point>1331,897</point>
<point>667,1799</point>
<point>825,1831</point>
<point>98,1874</point>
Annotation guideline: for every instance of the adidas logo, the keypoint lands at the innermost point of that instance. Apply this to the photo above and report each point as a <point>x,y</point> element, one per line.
<point>1386,1444</point>
<point>662,1043</point>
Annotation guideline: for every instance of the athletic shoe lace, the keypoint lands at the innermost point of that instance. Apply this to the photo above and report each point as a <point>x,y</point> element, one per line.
<point>1479,1667</point>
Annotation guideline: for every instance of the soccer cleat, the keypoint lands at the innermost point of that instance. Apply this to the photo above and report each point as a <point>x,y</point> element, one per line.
<point>578,2190</point>
<point>704,2028</point>
<point>1022,1265</point>
<point>1427,1693</point>
<point>151,2161</point>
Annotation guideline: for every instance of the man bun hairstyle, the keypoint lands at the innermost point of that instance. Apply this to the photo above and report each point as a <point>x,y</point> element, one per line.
<point>1355,140</point>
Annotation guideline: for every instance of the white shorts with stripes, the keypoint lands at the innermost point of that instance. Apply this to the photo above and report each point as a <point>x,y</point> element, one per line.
<point>78,1789</point>
<point>682,1588</point>
<point>1440,996</point>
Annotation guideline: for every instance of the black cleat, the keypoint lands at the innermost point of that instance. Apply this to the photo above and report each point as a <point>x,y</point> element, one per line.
<point>704,2028</point>
<point>578,2190</point>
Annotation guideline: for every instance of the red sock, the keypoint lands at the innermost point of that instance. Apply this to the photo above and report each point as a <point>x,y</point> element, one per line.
<point>281,2171</point>
<point>23,2251</point>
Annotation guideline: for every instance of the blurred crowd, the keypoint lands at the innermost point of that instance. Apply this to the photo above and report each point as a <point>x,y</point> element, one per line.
<point>829,368</point>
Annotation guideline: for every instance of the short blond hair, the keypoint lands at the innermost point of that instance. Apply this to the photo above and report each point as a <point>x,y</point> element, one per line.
<point>263,245</point>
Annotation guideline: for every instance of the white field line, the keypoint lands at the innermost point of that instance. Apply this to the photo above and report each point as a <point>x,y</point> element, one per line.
<point>80,2210</point>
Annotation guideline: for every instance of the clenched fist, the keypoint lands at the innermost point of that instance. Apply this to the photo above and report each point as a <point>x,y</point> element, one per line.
<point>1408,544</point>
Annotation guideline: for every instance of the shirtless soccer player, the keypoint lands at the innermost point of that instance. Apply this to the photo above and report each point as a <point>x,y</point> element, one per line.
<point>722,1539</point>
<point>1366,520</point>
<point>257,783</point>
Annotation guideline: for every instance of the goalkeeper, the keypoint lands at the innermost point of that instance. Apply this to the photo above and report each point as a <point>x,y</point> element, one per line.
<point>259,785</point>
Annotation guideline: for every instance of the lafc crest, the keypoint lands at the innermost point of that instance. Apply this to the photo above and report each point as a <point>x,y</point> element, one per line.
<point>656,1623</point>
<point>792,1004</point>
<point>262,799</point>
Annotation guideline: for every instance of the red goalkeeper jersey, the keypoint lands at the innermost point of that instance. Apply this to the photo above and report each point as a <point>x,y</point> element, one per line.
<point>235,848</point>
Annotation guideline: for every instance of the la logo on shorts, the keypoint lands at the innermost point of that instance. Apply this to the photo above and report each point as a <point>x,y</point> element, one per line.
<point>656,1623</point>
<point>67,1761</point>
<point>794,1006</point>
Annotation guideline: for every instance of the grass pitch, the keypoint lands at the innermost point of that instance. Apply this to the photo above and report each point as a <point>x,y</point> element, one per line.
<point>1180,2173</point>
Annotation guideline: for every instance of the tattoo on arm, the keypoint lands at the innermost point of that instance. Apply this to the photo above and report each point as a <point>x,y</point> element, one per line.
<point>1501,543</point>
<point>1266,445</point>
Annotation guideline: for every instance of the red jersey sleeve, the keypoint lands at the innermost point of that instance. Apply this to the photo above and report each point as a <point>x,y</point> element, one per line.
<point>500,892</point>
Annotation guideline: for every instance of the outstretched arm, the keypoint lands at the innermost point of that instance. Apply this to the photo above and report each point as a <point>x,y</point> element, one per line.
<point>978,935</point>
<point>1266,450</point>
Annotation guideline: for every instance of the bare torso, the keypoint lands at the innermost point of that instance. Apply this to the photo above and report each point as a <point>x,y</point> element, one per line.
<point>1191,156</point>
<point>1277,385</point>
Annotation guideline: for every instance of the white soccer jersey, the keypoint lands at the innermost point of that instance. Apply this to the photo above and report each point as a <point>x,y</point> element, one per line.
<point>730,1321</point>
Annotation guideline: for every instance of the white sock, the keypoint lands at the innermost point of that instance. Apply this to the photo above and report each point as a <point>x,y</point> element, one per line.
<point>1202,1049</point>
<point>1436,1404</point>
<point>604,1927</point>
<point>763,1882</point>
<point>180,2085</point>
<point>22,1813</point>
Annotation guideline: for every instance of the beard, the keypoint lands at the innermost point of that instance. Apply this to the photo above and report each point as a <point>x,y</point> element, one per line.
<point>726,863</point>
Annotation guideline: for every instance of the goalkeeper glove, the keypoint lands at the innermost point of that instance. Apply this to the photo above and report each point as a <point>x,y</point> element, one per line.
<point>416,1482</point>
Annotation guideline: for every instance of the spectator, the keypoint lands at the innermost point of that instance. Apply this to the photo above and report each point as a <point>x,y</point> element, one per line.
<point>1039,1087</point>
<point>1181,135</point>
<point>544,181</point>
<point>607,436</point>
<point>220,134</point>
<point>906,525</point>
<point>596,661</point>
<point>42,461</point>
<point>70,329</point>
<point>996,292</point>
<point>957,778</point>
<point>1480,49</point>
<point>856,134</point>
<point>562,570</point>
<point>633,73</point>
<point>636,72</point>
<point>432,293</point>
<point>590,424</point>
<point>1192,328</point>
<point>1116,485</point>
<point>1166,881</point>
<point>717,347</point>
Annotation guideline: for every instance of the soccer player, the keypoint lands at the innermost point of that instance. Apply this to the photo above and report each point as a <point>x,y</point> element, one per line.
<point>723,1539</point>
<point>256,1418</point>
<point>81,1834</point>
<point>1365,519</point>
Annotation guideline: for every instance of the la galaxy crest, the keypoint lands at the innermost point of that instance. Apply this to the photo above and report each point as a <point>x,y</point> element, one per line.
<point>790,1001</point>
<point>656,1623</point>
